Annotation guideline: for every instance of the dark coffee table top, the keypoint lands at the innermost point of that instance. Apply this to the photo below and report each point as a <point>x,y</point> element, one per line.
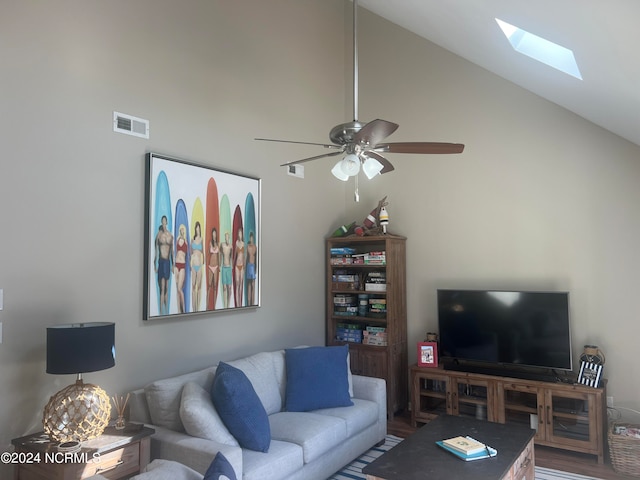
<point>418,456</point>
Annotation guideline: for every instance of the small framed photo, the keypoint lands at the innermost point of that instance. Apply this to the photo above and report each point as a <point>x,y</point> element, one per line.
<point>590,374</point>
<point>427,354</point>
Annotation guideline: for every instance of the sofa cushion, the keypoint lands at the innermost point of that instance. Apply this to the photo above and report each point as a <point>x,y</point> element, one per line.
<point>260,369</point>
<point>240,408</point>
<point>220,469</point>
<point>317,377</point>
<point>164,396</point>
<point>316,434</point>
<point>161,469</point>
<point>283,460</point>
<point>363,414</point>
<point>200,418</point>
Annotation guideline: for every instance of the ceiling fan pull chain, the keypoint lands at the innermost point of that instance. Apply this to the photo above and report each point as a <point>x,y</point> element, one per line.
<point>356,195</point>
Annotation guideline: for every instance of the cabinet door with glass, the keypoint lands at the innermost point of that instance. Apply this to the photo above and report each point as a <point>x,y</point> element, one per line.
<point>473,398</point>
<point>432,395</point>
<point>569,419</point>
<point>522,404</point>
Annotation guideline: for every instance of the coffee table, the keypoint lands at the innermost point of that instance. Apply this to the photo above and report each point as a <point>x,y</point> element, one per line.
<point>418,456</point>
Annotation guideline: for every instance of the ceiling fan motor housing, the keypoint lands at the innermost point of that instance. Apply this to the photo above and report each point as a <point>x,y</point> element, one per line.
<point>344,133</point>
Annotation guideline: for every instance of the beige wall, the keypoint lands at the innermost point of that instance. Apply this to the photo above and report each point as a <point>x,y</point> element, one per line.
<point>539,199</point>
<point>210,76</point>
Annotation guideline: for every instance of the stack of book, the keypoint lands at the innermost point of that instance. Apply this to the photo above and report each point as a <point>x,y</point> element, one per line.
<point>345,305</point>
<point>375,336</point>
<point>345,280</point>
<point>376,282</point>
<point>467,448</point>
<point>375,258</point>
<point>342,255</point>
<point>347,332</point>
<point>377,307</point>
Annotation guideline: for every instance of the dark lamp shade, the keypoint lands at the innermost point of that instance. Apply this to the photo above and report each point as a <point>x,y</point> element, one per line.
<point>81,347</point>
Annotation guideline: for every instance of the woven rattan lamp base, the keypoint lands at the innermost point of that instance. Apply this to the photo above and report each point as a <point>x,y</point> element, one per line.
<point>78,412</point>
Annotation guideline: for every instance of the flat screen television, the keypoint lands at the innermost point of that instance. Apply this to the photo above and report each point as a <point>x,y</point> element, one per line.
<point>512,329</point>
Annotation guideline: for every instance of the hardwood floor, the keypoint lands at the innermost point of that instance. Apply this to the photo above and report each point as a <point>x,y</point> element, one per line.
<point>546,457</point>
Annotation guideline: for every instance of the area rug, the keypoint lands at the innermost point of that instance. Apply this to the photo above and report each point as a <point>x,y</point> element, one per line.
<point>353,471</point>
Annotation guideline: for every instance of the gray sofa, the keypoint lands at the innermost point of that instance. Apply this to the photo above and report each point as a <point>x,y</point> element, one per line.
<point>304,445</point>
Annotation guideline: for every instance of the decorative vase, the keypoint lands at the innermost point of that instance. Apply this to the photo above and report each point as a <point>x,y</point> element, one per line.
<point>592,354</point>
<point>431,337</point>
<point>121,423</point>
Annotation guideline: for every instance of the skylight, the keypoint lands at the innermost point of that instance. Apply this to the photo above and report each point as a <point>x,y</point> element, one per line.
<point>540,49</point>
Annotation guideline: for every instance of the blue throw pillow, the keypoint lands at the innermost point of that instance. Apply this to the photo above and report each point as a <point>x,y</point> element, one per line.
<point>316,378</point>
<point>220,468</point>
<point>240,409</point>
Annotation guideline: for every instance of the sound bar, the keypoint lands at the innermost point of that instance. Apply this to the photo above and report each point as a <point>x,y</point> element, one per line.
<point>497,371</point>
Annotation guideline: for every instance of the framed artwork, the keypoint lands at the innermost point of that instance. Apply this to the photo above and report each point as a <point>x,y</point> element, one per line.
<point>201,241</point>
<point>427,354</point>
<point>590,374</point>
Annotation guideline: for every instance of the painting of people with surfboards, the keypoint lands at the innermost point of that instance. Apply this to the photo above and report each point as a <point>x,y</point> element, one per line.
<point>202,232</point>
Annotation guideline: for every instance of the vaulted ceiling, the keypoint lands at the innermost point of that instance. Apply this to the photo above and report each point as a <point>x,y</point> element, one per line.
<point>604,37</point>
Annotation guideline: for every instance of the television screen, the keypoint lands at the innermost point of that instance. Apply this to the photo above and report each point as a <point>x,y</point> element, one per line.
<point>505,327</point>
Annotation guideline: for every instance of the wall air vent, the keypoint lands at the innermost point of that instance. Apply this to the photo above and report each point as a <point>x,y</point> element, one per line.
<point>130,125</point>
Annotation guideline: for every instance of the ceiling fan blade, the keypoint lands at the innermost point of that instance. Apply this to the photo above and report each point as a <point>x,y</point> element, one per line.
<point>374,132</point>
<point>387,167</point>
<point>325,145</point>
<point>295,162</point>
<point>420,147</point>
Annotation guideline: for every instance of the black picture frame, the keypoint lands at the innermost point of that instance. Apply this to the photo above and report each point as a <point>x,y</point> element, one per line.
<point>188,206</point>
<point>590,374</point>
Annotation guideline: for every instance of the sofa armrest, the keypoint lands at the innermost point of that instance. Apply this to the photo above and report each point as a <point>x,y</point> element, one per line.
<point>197,453</point>
<point>374,389</point>
<point>370,388</point>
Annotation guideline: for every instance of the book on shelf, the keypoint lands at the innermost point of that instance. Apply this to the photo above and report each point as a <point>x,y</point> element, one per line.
<point>374,338</point>
<point>376,275</point>
<point>352,326</point>
<point>478,452</point>
<point>342,250</point>
<point>341,261</point>
<point>344,277</point>
<point>371,328</point>
<point>345,299</point>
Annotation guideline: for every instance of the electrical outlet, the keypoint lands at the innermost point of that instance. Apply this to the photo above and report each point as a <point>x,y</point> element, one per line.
<point>610,402</point>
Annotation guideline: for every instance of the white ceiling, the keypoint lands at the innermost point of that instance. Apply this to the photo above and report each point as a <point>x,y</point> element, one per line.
<point>604,36</point>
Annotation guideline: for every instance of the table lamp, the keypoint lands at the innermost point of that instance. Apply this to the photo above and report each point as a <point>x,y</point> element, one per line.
<point>80,411</point>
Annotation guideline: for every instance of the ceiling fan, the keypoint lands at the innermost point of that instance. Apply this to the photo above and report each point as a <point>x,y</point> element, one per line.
<point>361,143</point>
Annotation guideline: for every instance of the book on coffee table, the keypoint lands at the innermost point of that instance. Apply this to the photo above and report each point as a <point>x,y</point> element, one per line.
<point>477,452</point>
<point>466,445</point>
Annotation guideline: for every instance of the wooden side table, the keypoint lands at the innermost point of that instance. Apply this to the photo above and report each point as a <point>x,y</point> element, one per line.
<point>116,454</point>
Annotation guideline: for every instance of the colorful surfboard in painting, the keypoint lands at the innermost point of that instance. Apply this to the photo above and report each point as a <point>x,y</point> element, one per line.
<point>212,222</point>
<point>226,274</point>
<point>182,221</point>
<point>251,271</point>
<point>162,208</point>
<point>238,275</point>
<point>197,256</point>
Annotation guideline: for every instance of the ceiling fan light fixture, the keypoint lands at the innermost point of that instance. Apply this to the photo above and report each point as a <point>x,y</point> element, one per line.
<point>372,167</point>
<point>339,173</point>
<point>351,165</point>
